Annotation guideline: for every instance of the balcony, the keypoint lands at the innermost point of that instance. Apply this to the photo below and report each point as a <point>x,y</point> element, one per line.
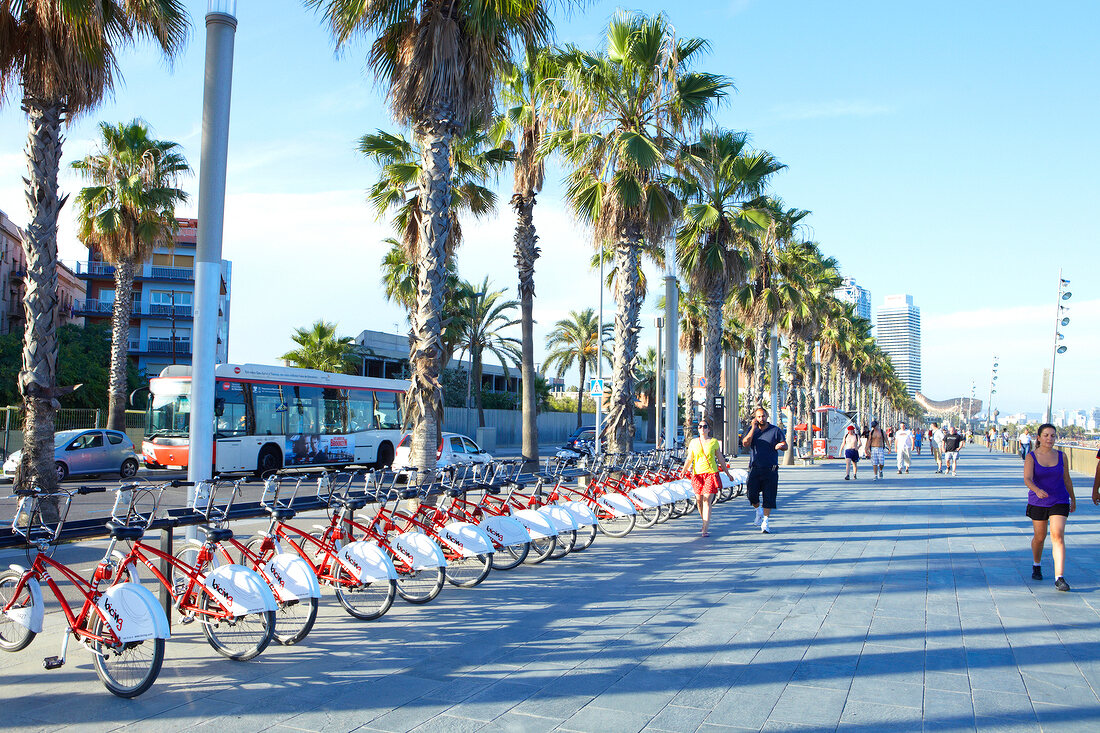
<point>91,270</point>
<point>181,347</point>
<point>105,308</point>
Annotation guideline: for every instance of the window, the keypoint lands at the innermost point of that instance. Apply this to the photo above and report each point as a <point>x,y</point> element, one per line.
<point>229,400</point>
<point>387,410</point>
<point>88,440</point>
<point>164,297</point>
<point>114,438</point>
<point>107,296</point>
<point>360,410</point>
<point>335,403</point>
<point>471,447</point>
<point>303,409</point>
<point>456,445</point>
<point>271,409</point>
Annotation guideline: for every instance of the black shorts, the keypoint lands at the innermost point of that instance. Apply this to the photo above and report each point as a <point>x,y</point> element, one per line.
<point>1043,513</point>
<point>763,481</point>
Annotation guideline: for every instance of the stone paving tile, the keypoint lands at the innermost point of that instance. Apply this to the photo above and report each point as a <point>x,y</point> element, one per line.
<point>873,716</point>
<point>677,719</point>
<point>887,692</point>
<point>593,719</point>
<point>809,705</point>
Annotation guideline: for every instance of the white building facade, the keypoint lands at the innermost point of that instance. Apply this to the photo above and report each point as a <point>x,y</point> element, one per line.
<point>851,292</point>
<point>897,332</point>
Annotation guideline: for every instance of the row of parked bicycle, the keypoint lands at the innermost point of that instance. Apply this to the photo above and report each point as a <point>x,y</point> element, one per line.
<point>385,536</point>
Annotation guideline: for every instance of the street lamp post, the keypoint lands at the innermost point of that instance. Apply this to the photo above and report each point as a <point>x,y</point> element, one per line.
<point>992,391</point>
<point>672,337</point>
<point>221,27</point>
<point>659,323</point>
<point>599,361</point>
<point>1060,320</point>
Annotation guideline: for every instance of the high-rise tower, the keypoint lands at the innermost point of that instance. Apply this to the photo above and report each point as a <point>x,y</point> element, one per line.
<point>897,332</point>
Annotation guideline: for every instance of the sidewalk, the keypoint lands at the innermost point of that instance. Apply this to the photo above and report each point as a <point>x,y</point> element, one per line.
<point>904,604</point>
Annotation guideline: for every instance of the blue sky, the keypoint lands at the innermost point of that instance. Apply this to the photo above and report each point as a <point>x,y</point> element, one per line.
<point>946,150</point>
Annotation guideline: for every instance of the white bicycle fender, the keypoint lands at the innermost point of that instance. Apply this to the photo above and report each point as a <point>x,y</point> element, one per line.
<point>617,504</point>
<point>740,476</point>
<point>582,515</point>
<point>560,518</point>
<point>133,613</point>
<point>681,489</point>
<point>366,562</point>
<point>504,531</point>
<point>467,539</point>
<point>291,578</point>
<point>537,525</point>
<point>664,493</point>
<point>420,551</point>
<point>241,589</point>
<point>32,617</point>
<point>646,496</point>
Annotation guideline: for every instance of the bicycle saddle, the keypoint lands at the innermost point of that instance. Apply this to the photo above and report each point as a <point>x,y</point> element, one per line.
<point>352,503</point>
<point>280,513</point>
<point>215,534</point>
<point>125,532</point>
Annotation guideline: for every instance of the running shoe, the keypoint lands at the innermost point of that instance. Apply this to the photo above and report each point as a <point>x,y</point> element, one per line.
<point>1060,584</point>
<point>847,477</point>
<point>764,529</point>
<point>1036,572</point>
<point>759,517</point>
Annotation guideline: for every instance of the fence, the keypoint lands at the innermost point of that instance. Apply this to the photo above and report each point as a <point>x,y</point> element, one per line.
<point>554,427</point>
<point>64,419</point>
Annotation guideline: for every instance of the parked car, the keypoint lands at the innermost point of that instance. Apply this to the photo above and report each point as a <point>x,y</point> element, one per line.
<point>455,449</point>
<point>81,452</point>
<point>585,433</point>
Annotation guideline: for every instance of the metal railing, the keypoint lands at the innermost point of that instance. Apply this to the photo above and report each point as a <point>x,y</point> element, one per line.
<point>92,306</point>
<point>154,272</point>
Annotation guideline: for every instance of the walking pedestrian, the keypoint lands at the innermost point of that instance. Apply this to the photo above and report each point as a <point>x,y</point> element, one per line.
<point>763,441</point>
<point>1050,501</point>
<point>876,449</point>
<point>1096,481</point>
<point>850,448</point>
<point>903,443</point>
<point>703,460</point>
<point>918,440</point>
<point>991,438</point>
<point>1025,444</point>
<point>952,446</point>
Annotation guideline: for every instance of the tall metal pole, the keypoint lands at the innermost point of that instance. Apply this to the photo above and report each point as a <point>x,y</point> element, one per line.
<point>1062,295</point>
<point>599,361</point>
<point>672,338</point>
<point>221,28</point>
<point>733,412</point>
<point>659,323</point>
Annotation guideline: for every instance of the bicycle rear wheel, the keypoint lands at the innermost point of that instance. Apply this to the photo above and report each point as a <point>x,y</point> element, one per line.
<point>586,535</point>
<point>648,516</point>
<point>126,669</point>
<point>541,549</point>
<point>364,601</point>
<point>564,545</point>
<point>466,572</point>
<point>420,586</point>
<point>664,513</point>
<point>617,525</point>
<point>511,556</point>
<point>14,635</point>
<point>239,638</point>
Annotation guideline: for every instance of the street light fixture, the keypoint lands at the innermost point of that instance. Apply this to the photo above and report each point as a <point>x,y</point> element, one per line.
<point>992,391</point>
<point>1059,320</point>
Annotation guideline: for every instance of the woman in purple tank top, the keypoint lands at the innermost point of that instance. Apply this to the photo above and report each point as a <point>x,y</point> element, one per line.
<point>1050,500</point>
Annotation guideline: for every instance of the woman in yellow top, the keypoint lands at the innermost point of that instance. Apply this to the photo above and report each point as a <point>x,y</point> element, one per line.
<point>703,460</point>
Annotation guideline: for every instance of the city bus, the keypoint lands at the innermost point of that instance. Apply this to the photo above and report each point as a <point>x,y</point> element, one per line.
<point>270,417</point>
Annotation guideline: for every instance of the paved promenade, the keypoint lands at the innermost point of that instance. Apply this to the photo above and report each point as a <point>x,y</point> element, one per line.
<point>904,604</point>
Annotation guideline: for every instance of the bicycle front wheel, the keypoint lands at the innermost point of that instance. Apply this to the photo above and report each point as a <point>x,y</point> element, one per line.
<point>511,556</point>
<point>239,638</point>
<point>364,601</point>
<point>420,586</point>
<point>466,572</point>
<point>126,669</point>
<point>14,635</point>
<point>294,620</point>
<point>617,525</point>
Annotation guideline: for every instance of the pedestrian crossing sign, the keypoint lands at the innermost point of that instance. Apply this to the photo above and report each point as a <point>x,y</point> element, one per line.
<point>595,388</point>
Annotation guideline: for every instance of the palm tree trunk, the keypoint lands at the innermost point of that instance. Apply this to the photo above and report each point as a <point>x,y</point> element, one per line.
<point>689,401</point>
<point>620,414</point>
<point>426,392</point>
<point>120,345</point>
<point>527,252</point>
<point>792,400</point>
<point>580,390</point>
<point>712,359</point>
<point>37,379</point>
<point>758,369</point>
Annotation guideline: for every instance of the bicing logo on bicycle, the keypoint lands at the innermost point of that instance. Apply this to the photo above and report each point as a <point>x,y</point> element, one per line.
<point>226,594</point>
<point>114,614</point>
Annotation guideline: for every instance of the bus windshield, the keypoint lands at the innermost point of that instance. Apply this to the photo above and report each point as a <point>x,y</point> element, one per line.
<point>169,411</point>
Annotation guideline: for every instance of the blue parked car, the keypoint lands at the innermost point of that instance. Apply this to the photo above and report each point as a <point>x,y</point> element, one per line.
<point>80,452</point>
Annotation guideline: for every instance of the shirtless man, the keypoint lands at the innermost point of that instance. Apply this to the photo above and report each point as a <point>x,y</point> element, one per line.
<point>876,449</point>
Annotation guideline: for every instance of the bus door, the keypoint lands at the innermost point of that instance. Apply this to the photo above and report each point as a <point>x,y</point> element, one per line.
<point>231,428</point>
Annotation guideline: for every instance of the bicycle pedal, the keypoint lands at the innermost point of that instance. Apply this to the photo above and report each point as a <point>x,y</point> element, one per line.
<point>53,662</point>
<point>186,619</point>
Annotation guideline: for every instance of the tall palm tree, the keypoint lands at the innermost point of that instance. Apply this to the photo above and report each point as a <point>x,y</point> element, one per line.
<point>320,348</point>
<point>721,181</point>
<point>129,209</point>
<point>523,125</point>
<point>623,114</point>
<point>440,63</point>
<point>481,318</point>
<point>576,340</point>
<point>62,54</point>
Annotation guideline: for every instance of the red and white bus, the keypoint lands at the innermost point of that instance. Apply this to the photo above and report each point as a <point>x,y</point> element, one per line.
<point>268,417</point>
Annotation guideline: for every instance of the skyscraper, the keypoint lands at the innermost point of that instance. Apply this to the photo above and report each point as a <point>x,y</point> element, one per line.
<point>851,292</point>
<point>897,332</point>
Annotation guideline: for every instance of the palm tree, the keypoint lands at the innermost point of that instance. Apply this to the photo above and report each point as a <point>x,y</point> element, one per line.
<point>320,348</point>
<point>645,384</point>
<point>622,114</point>
<point>440,63</point>
<point>62,56</point>
<point>480,320</point>
<point>721,182</point>
<point>129,209</point>
<point>576,340</point>
<point>523,125</point>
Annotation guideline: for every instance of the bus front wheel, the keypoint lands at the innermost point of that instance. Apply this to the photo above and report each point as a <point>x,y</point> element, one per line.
<point>270,461</point>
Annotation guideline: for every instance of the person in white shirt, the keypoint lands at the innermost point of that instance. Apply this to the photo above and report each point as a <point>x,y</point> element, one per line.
<point>1025,444</point>
<point>937,446</point>
<point>903,445</point>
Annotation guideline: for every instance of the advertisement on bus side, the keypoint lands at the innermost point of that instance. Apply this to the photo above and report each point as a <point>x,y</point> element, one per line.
<point>312,449</point>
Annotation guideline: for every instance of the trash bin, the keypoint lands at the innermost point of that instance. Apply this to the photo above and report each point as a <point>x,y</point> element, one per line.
<point>487,439</point>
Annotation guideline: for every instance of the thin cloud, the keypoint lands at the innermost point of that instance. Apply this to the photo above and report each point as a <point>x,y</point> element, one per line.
<point>837,108</point>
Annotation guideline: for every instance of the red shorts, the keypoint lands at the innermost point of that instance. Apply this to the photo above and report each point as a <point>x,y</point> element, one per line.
<point>705,484</point>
